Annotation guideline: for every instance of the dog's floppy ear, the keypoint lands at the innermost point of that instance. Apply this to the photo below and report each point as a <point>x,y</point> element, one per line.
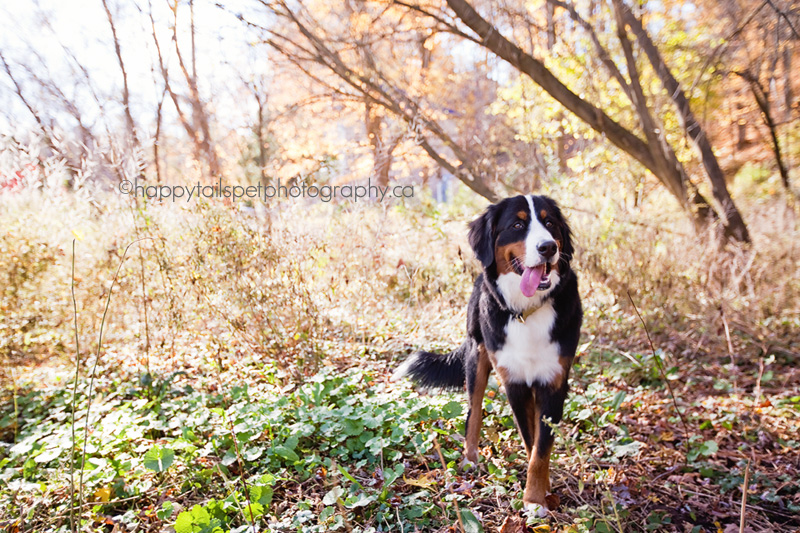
<point>567,250</point>
<point>481,236</point>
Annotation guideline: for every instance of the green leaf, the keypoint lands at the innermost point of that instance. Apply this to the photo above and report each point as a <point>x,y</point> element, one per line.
<point>230,457</point>
<point>617,401</point>
<point>709,448</point>
<point>291,442</point>
<point>193,521</point>
<point>602,527</point>
<point>255,507</point>
<point>326,514</point>
<point>362,500</point>
<point>471,522</point>
<point>48,455</point>
<point>261,494</point>
<point>166,511</point>
<point>184,523</point>
<point>389,475</point>
<point>252,453</point>
<point>631,448</point>
<point>452,409</point>
<point>333,496</point>
<point>158,459</point>
<point>285,453</point>
<point>353,427</point>
<point>347,475</point>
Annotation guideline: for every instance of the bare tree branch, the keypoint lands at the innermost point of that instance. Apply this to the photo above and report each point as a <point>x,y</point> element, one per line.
<point>381,91</point>
<point>125,90</point>
<point>18,90</point>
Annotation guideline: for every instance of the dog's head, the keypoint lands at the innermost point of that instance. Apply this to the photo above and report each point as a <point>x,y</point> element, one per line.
<point>523,241</point>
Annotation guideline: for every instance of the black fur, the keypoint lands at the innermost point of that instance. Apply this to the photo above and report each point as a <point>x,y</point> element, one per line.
<point>481,236</point>
<point>438,371</point>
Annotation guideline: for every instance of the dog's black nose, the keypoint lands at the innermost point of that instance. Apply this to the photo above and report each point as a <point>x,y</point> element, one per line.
<point>548,249</point>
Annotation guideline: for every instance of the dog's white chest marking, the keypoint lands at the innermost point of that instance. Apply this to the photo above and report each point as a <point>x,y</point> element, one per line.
<point>528,354</point>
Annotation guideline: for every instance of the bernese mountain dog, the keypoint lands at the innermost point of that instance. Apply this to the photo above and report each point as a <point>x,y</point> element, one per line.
<point>523,320</point>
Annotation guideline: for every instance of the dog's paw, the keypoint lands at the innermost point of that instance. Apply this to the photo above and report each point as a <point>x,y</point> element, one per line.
<point>466,464</point>
<point>535,509</point>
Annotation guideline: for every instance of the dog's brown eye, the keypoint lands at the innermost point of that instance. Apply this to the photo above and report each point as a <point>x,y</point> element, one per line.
<point>518,225</point>
<point>548,224</point>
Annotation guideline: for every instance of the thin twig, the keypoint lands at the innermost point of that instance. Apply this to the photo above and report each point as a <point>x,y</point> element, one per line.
<point>74,400</point>
<point>144,291</point>
<point>16,403</point>
<point>660,366</point>
<point>744,496</point>
<point>340,507</point>
<point>227,419</point>
<point>94,367</point>
<point>236,500</point>
<point>757,390</point>
<point>631,222</point>
<point>734,368</point>
<point>444,466</point>
<point>156,490</point>
<point>601,467</point>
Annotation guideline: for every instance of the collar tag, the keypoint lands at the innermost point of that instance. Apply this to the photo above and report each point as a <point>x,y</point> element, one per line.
<point>522,317</point>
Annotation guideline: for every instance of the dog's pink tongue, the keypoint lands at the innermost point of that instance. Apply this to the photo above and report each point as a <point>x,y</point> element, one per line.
<point>530,280</point>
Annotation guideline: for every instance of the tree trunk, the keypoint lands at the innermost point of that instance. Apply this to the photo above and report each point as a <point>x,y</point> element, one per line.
<point>761,96</point>
<point>734,225</point>
<point>261,136</point>
<point>372,125</point>
<point>157,137</point>
<point>788,91</point>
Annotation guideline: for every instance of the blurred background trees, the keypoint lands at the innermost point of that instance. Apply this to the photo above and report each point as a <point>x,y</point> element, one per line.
<point>670,97</point>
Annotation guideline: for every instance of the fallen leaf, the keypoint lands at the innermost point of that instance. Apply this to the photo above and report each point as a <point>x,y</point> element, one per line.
<point>514,524</point>
<point>425,481</point>
<point>103,494</point>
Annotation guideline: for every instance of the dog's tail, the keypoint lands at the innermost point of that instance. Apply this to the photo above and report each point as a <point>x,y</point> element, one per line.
<point>436,371</point>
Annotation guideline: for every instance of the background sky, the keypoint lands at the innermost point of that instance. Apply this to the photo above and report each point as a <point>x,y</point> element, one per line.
<point>57,40</point>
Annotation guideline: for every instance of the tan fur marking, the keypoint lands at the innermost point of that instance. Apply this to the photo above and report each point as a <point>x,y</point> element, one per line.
<point>473,430</point>
<point>558,381</point>
<point>543,213</point>
<point>503,255</point>
<point>502,372</point>
<point>538,480</point>
<point>523,215</point>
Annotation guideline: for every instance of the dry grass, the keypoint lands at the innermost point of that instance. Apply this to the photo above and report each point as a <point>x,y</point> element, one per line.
<point>285,282</point>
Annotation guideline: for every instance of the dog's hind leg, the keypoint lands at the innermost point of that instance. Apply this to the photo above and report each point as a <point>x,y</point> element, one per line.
<point>477,370</point>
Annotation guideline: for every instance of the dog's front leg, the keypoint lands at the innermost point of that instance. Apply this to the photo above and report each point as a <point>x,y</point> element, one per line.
<point>550,406</point>
<point>537,484</point>
<point>521,398</point>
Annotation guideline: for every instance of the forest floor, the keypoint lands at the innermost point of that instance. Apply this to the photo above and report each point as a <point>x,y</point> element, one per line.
<point>349,450</point>
<point>205,423</point>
